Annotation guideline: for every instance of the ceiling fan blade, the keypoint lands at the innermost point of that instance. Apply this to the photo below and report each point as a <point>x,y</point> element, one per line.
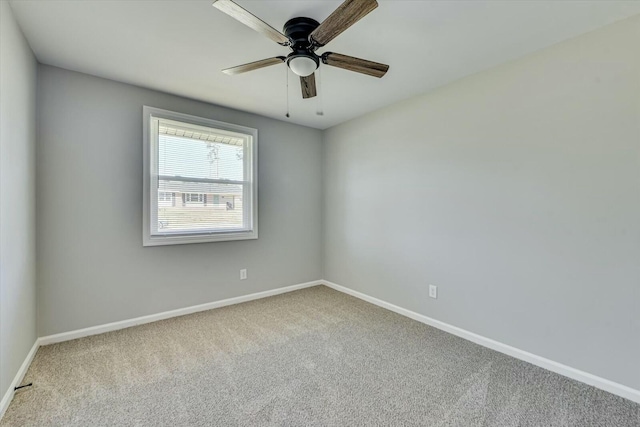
<point>251,21</point>
<point>308,85</point>
<point>358,65</point>
<point>347,14</point>
<point>254,65</point>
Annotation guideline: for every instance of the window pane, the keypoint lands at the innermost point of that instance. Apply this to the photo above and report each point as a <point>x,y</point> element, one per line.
<point>198,207</point>
<point>192,154</point>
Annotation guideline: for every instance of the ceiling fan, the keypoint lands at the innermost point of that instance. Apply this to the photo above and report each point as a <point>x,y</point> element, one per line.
<point>303,36</point>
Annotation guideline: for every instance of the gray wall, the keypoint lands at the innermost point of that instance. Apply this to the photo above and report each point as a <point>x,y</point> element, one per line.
<point>18,79</point>
<point>92,268</point>
<point>516,191</point>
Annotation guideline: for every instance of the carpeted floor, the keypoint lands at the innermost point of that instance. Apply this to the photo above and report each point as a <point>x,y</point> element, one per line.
<point>310,357</point>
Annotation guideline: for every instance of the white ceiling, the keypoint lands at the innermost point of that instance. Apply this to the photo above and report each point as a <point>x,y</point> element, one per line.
<point>180,46</point>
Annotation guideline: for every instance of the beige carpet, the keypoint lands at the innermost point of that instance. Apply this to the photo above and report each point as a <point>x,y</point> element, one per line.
<point>310,357</point>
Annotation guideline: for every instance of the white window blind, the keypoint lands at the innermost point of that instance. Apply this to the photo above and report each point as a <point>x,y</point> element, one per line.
<point>201,179</point>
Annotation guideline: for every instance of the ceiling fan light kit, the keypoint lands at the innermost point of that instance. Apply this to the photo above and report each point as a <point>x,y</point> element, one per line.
<point>302,65</point>
<point>304,36</point>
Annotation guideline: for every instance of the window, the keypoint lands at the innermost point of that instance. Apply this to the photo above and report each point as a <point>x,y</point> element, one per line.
<point>193,198</point>
<point>199,180</point>
<point>165,197</point>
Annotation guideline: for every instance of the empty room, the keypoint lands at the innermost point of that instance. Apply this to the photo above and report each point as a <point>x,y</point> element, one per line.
<point>320,213</point>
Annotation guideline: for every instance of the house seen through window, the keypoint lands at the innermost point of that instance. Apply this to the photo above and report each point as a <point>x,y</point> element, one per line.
<point>201,180</point>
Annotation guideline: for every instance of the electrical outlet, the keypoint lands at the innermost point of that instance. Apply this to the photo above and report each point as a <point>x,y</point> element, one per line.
<point>243,274</point>
<point>433,291</point>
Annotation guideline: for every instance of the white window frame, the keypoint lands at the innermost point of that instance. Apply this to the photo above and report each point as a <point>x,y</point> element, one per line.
<point>154,237</point>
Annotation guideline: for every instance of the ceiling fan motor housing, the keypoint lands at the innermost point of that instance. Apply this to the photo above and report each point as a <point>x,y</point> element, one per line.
<point>298,30</point>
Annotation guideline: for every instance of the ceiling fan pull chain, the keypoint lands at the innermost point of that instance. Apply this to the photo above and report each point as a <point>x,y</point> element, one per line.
<point>287,76</point>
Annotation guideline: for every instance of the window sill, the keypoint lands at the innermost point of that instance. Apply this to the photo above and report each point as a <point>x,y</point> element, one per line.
<point>199,238</point>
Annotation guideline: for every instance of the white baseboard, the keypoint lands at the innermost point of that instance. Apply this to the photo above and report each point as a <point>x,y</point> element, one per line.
<point>576,374</point>
<point>94,330</point>
<point>8,396</point>
<point>558,368</point>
